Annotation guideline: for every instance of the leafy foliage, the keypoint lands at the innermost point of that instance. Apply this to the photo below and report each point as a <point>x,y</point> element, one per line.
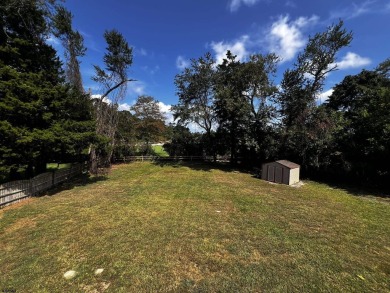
<point>363,102</point>
<point>300,87</point>
<point>72,42</point>
<point>41,119</point>
<point>113,81</point>
<point>150,123</point>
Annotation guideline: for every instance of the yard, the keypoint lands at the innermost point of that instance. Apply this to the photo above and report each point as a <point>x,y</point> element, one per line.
<point>194,228</point>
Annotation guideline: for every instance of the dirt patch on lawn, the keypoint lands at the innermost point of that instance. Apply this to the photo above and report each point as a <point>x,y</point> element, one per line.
<point>24,223</point>
<point>16,205</point>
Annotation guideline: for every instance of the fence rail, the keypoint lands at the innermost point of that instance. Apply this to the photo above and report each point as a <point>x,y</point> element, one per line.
<point>12,192</point>
<point>158,158</point>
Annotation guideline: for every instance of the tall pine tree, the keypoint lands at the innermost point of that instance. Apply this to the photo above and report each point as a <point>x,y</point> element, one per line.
<point>40,119</point>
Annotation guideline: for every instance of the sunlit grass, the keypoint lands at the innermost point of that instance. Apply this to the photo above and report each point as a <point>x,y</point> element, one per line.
<point>160,151</point>
<point>195,228</point>
<point>56,166</point>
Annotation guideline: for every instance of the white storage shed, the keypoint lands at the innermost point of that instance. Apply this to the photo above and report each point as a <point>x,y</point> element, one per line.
<point>281,171</point>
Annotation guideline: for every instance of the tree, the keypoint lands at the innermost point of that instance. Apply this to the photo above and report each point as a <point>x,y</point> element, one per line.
<point>113,81</point>
<point>259,91</point>
<point>41,119</point>
<point>363,142</point>
<point>150,123</point>
<point>231,104</point>
<point>72,41</point>
<point>125,136</point>
<point>300,87</point>
<point>195,88</point>
<point>182,142</point>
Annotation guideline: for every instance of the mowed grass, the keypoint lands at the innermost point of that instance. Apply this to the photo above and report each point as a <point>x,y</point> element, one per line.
<point>160,151</point>
<point>195,228</point>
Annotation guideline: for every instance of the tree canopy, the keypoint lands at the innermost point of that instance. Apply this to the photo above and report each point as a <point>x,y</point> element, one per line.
<point>41,119</point>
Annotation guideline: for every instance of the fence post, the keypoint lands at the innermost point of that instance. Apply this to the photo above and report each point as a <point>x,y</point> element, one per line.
<point>30,187</point>
<point>52,177</point>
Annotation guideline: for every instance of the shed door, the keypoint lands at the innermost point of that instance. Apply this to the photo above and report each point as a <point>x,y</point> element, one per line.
<point>278,174</point>
<point>271,173</point>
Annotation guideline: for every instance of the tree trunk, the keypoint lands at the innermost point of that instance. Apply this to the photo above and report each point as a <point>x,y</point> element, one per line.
<point>93,161</point>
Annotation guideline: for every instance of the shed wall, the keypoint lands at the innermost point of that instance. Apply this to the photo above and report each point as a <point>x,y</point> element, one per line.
<point>294,176</point>
<point>275,172</point>
<point>278,173</point>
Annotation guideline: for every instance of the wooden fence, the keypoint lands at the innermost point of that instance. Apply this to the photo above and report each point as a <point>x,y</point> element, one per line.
<point>157,158</point>
<point>15,191</point>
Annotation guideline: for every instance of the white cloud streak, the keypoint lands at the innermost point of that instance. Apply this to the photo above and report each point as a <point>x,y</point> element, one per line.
<point>182,63</point>
<point>136,87</point>
<point>285,37</point>
<point>290,4</point>
<point>356,10</point>
<point>352,60</point>
<point>143,52</point>
<point>52,40</point>
<point>237,48</point>
<point>324,96</point>
<point>234,5</point>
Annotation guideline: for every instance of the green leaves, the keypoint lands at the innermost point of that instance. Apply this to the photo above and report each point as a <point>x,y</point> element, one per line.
<point>119,55</point>
<point>36,107</point>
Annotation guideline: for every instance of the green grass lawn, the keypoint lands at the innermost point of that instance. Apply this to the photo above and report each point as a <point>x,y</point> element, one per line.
<point>160,151</point>
<point>177,228</point>
<point>56,166</point>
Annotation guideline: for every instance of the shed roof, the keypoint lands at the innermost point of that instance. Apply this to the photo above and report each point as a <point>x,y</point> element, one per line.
<point>288,164</point>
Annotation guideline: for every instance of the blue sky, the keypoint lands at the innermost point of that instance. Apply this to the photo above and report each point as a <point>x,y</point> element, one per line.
<point>165,34</point>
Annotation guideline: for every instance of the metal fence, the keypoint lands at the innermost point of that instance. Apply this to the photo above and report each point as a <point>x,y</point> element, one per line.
<point>12,192</point>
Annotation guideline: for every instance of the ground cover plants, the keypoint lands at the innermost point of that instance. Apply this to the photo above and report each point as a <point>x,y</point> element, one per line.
<point>173,227</point>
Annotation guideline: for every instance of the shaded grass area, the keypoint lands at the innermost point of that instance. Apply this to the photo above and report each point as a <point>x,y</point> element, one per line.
<point>194,228</point>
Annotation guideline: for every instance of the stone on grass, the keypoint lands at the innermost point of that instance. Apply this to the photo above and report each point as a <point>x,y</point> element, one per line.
<point>98,271</point>
<point>70,274</point>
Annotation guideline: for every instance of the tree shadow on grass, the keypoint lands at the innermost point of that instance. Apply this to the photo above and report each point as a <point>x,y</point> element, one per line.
<point>205,166</point>
<point>357,188</point>
<point>82,180</point>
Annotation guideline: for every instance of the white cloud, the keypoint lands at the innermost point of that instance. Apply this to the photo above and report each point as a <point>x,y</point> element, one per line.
<point>105,99</point>
<point>352,60</point>
<point>136,87</point>
<point>166,109</point>
<point>143,52</point>
<point>322,97</point>
<point>152,70</point>
<point>237,48</point>
<point>355,10</point>
<point>182,63</point>
<point>52,40</point>
<point>290,4</point>
<point>124,107</point>
<point>285,37</point>
<point>234,5</point>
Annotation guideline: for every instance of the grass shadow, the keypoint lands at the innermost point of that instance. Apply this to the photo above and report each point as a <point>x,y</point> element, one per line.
<point>356,188</point>
<point>82,180</point>
<point>205,166</point>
